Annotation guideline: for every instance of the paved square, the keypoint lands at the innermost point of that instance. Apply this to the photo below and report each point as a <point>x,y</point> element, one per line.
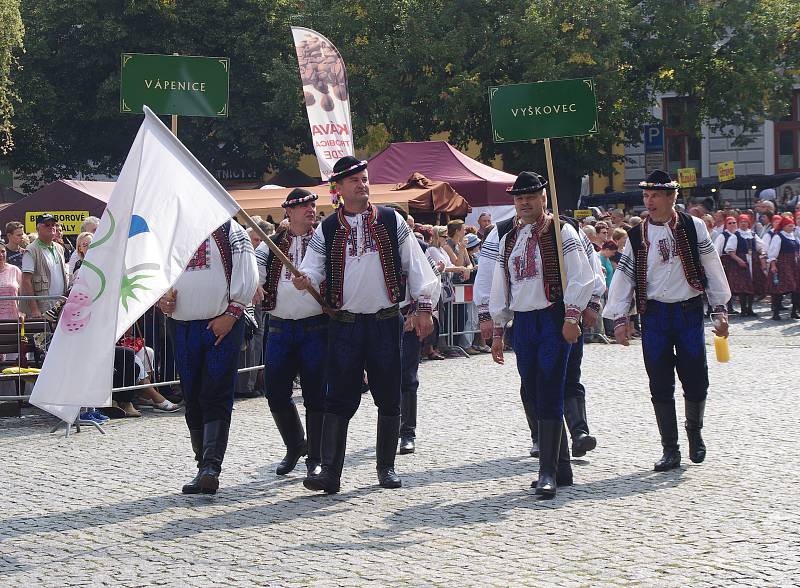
<point>107,510</point>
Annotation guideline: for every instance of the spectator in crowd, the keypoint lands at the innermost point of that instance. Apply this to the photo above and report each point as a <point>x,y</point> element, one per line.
<point>15,234</point>
<point>144,358</point>
<point>591,233</point>
<point>44,271</point>
<point>89,225</point>
<point>485,225</point>
<point>81,247</point>
<point>10,280</point>
<point>634,220</point>
<point>619,236</point>
<point>63,241</point>
<point>617,217</point>
<point>783,257</point>
<point>255,238</point>
<point>455,247</point>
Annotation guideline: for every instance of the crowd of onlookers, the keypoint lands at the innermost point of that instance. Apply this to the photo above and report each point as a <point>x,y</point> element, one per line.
<point>45,263</point>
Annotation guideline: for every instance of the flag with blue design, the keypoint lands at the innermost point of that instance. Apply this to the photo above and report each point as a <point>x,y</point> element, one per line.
<point>164,205</point>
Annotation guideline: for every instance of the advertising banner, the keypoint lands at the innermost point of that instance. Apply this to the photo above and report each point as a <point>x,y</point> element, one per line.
<point>70,220</point>
<point>324,79</point>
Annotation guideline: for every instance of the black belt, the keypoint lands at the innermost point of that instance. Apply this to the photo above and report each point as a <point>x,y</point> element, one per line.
<point>691,304</point>
<point>345,316</point>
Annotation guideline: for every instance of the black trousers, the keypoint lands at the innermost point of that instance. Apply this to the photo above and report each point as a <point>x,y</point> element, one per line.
<point>673,341</point>
<point>409,381</point>
<point>367,343</point>
<point>573,387</point>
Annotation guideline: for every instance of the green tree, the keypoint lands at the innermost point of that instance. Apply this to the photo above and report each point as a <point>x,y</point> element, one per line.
<point>11,34</point>
<point>69,120</point>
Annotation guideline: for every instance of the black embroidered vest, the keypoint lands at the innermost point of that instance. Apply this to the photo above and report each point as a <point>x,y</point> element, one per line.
<point>274,269</point>
<point>382,225</point>
<point>686,241</point>
<point>551,269</point>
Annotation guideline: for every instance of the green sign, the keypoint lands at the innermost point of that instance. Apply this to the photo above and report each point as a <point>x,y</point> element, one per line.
<point>563,108</point>
<point>174,84</point>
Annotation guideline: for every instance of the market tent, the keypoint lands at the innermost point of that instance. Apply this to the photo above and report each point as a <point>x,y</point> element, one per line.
<point>435,197</point>
<point>68,197</point>
<point>480,184</point>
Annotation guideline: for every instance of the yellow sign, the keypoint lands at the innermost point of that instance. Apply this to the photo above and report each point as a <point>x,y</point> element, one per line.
<point>726,171</point>
<point>687,177</point>
<point>582,213</point>
<point>70,220</point>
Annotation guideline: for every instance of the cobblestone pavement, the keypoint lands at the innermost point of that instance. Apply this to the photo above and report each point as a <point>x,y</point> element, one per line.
<point>107,510</point>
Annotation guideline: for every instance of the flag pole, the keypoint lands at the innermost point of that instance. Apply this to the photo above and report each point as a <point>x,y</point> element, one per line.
<point>554,203</point>
<point>276,251</point>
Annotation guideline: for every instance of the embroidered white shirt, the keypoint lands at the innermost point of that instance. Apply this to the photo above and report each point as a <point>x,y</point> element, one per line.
<point>526,290</point>
<point>203,288</point>
<point>666,280</point>
<point>290,303</point>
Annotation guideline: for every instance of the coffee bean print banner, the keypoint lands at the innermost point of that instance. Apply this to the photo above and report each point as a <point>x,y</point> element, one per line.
<point>324,79</point>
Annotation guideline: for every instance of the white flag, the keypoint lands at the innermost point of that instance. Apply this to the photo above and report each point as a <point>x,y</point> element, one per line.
<point>164,205</point>
<point>327,98</point>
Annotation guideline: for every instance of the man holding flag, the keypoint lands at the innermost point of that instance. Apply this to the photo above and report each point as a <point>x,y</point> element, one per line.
<point>206,323</point>
<point>164,206</point>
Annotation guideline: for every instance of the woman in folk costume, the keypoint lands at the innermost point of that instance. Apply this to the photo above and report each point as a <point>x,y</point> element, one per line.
<point>729,228</point>
<point>784,266</point>
<point>741,258</point>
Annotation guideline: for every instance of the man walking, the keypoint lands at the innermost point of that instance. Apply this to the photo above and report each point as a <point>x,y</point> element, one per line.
<point>206,309</point>
<point>297,340</point>
<point>527,287</point>
<point>668,262</point>
<point>367,257</point>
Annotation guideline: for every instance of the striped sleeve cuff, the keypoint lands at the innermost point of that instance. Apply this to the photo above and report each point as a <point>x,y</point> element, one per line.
<point>572,312</point>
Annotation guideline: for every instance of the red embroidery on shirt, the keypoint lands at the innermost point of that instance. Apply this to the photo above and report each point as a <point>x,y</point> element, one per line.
<point>201,260</point>
<point>668,249</point>
<point>525,266</point>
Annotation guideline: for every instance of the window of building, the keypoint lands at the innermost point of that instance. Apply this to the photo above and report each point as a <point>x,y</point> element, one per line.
<point>787,138</point>
<point>681,145</point>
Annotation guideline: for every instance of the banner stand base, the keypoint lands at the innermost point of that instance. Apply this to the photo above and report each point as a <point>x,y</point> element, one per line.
<point>77,424</point>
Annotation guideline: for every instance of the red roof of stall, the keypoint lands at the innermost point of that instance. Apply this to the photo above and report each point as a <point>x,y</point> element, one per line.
<point>480,184</point>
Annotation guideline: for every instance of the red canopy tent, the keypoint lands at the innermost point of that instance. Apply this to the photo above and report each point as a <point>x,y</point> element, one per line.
<point>480,184</point>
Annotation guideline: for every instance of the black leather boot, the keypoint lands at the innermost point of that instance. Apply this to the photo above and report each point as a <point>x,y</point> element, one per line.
<point>408,423</point>
<point>795,306</point>
<point>314,436</point>
<point>332,448</point>
<point>694,423</point>
<point>564,468</point>
<point>291,430</point>
<point>668,429</point>
<point>575,416</point>
<point>776,306</point>
<point>731,309</point>
<point>533,425</point>
<point>385,447</point>
<point>550,433</point>
<point>196,435</point>
<point>215,442</point>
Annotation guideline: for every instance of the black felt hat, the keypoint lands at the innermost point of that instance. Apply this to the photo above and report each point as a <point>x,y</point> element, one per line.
<point>298,196</point>
<point>347,166</point>
<point>659,180</point>
<point>527,183</point>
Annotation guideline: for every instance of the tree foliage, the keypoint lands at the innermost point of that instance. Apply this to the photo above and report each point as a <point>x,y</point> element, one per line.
<point>11,34</point>
<point>415,67</point>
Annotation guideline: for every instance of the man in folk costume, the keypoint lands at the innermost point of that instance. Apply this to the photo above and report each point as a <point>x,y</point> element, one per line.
<point>784,266</point>
<point>668,262</point>
<point>743,250</point>
<point>526,286</point>
<point>297,339</point>
<point>367,257</point>
<point>206,310</point>
<point>574,390</point>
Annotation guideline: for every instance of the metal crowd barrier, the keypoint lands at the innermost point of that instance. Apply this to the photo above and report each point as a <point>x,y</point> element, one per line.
<point>158,359</point>
<point>462,298</point>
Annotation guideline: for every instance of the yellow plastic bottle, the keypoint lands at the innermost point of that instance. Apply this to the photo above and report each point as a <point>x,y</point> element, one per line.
<point>722,349</point>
